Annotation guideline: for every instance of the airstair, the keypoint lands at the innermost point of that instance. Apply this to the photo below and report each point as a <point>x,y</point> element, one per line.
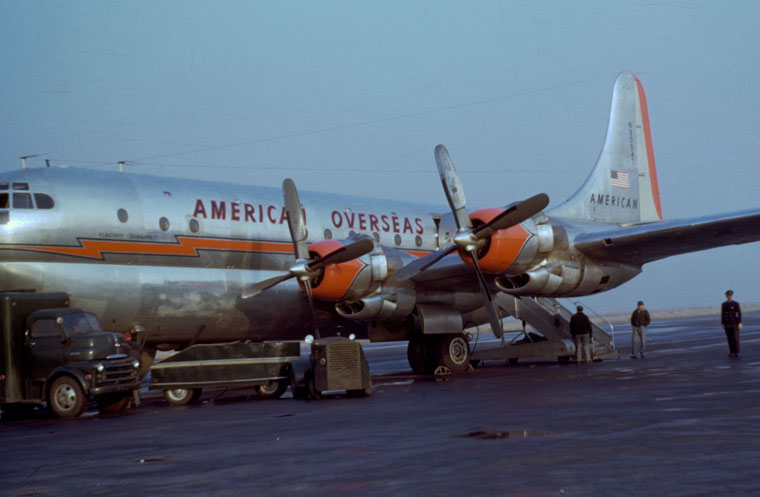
<point>552,321</point>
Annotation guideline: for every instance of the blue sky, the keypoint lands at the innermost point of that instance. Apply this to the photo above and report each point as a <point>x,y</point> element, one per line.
<point>355,96</point>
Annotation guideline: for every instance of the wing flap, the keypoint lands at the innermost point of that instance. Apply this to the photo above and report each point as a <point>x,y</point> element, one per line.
<point>652,241</point>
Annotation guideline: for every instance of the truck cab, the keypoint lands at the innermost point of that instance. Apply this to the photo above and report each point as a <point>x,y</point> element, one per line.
<point>60,355</point>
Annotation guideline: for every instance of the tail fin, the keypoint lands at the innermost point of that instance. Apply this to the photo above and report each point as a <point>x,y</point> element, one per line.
<point>622,187</point>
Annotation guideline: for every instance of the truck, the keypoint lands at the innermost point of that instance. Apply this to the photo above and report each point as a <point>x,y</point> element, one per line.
<point>58,355</point>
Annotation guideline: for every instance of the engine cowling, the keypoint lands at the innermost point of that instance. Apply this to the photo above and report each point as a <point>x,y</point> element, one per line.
<point>566,279</point>
<point>350,279</point>
<point>509,250</point>
<point>391,305</point>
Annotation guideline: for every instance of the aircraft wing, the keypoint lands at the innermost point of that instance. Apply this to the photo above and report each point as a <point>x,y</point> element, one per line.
<point>652,241</point>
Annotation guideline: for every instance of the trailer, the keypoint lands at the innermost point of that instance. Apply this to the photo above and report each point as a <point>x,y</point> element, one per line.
<point>270,367</point>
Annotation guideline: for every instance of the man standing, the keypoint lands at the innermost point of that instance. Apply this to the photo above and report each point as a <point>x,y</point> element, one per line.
<point>639,321</point>
<point>731,319</point>
<point>580,329</point>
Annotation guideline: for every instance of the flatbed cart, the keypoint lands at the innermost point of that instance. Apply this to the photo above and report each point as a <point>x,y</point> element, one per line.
<point>334,363</point>
<point>264,365</point>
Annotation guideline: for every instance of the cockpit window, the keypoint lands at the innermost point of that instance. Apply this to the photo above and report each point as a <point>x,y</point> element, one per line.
<point>20,186</point>
<point>43,201</point>
<point>4,201</point>
<point>22,201</point>
<point>3,186</point>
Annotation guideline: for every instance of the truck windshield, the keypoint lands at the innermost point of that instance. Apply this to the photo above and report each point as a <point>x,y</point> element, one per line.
<point>84,322</point>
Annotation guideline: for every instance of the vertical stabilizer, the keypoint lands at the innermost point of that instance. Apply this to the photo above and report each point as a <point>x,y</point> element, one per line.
<point>622,187</point>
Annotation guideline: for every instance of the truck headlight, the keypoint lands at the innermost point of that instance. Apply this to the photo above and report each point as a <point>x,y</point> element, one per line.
<point>135,364</point>
<point>100,368</point>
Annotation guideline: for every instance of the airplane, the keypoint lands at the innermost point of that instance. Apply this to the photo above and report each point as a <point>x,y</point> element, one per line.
<point>187,261</point>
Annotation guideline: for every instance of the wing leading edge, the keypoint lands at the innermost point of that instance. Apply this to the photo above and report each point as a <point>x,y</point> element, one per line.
<point>649,242</point>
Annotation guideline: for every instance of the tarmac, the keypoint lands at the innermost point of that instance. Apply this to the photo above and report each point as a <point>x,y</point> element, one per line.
<point>684,421</point>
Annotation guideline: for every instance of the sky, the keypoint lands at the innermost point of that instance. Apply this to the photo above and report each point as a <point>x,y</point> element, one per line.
<point>353,96</point>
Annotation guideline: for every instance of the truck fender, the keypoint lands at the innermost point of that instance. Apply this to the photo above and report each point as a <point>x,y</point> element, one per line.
<point>67,371</point>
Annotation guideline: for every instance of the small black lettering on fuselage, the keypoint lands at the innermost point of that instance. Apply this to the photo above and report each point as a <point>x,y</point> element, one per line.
<point>614,201</point>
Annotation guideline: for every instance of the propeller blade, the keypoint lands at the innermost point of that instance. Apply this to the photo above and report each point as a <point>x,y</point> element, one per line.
<point>296,222</point>
<point>419,265</point>
<point>513,215</point>
<point>307,290</point>
<point>452,186</point>
<point>493,315</point>
<point>346,253</point>
<point>257,288</point>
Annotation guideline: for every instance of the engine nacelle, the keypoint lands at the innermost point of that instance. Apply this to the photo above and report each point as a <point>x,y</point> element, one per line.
<point>511,250</point>
<point>568,279</point>
<point>348,280</point>
<point>393,305</point>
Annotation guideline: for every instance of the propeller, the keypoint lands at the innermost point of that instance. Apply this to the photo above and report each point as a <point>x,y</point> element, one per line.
<point>470,239</point>
<point>304,268</point>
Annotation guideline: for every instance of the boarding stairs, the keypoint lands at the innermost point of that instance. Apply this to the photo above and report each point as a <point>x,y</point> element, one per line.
<point>552,321</point>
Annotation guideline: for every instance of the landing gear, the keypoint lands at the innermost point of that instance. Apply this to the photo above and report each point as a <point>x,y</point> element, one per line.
<point>427,352</point>
<point>453,352</point>
<point>419,352</point>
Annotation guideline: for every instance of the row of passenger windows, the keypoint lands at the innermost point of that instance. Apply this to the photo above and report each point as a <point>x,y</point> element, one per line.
<point>24,200</point>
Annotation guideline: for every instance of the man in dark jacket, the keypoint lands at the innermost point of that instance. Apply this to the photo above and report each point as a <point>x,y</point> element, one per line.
<point>731,319</point>
<point>580,328</point>
<point>639,321</point>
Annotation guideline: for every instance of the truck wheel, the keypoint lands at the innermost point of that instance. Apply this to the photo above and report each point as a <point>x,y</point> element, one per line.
<point>182,396</point>
<point>113,402</point>
<point>66,398</point>
<point>272,389</point>
<point>453,351</point>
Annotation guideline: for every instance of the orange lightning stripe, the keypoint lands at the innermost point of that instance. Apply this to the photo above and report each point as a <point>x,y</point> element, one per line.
<point>185,246</point>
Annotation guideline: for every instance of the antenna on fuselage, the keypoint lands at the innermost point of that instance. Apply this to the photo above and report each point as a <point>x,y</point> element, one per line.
<point>24,157</point>
<point>121,166</point>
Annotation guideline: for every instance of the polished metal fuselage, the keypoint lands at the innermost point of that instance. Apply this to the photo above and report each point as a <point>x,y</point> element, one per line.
<point>173,256</point>
<point>137,257</point>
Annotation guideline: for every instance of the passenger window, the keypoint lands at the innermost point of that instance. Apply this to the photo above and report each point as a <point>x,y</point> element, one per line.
<point>4,201</point>
<point>43,201</point>
<point>45,328</point>
<point>22,201</point>
<point>20,186</point>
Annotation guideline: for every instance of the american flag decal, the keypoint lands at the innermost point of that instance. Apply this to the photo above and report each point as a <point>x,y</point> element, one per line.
<point>619,179</point>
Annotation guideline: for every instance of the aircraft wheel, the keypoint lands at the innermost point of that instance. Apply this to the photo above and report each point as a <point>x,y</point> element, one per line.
<point>453,352</point>
<point>418,353</point>
<point>66,398</point>
<point>513,360</point>
<point>563,359</point>
<point>182,396</point>
<point>272,389</point>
